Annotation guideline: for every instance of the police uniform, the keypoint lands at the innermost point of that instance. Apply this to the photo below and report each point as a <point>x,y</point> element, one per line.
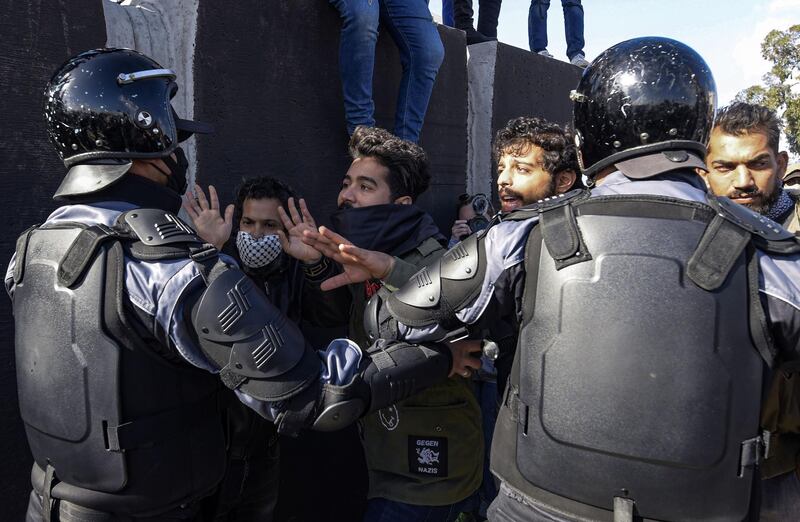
<point>651,313</point>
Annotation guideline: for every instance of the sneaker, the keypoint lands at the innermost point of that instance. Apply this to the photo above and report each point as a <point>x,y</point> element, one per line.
<point>580,60</point>
<point>545,53</point>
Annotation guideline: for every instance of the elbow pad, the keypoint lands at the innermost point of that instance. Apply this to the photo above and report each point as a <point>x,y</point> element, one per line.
<point>392,371</point>
<point>437,292</point>
<point>258,350</point>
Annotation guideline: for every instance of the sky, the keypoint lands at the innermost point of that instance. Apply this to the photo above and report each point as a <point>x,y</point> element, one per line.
<point>727,33</point>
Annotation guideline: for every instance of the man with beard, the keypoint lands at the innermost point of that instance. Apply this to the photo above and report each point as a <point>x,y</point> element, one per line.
<point>746,165</point>
<point>424,455</point>
<point>536,159</point>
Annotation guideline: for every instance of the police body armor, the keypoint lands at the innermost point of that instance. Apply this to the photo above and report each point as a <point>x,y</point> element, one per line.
<point>112,424</point>
<point>638,387</point>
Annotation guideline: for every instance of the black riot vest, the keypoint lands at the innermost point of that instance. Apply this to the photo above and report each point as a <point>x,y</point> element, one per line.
<point>112,422</point>
<point>637,379</point>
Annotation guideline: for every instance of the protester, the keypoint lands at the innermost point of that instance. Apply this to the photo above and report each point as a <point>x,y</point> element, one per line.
<point>631,298</point>
<point>573,27</point>
<point>331,466</point>
<point>424,454</point>
<point>459,14</point>
<point>126,322</point>
<point>746,164</point>
<point>411,26</point>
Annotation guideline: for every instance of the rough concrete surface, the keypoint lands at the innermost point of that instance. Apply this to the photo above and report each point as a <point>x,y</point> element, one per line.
<point>36,36</point>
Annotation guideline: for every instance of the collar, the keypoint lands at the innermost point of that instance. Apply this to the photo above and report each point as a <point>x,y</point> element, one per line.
<point>656,164</point>
<point>133,189</point>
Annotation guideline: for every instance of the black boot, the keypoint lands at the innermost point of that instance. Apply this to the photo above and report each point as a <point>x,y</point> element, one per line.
<point>462,15</point>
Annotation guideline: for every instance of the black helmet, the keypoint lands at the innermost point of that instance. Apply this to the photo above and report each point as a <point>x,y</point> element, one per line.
<point>641,96</point>
<point>106,107</point>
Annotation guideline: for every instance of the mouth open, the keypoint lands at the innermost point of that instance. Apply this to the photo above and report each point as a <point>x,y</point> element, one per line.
<point>509,202</point>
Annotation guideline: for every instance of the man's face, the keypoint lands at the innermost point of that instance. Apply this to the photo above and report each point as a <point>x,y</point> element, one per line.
<point>260,217</point>
<point>521,180</point>
<point>745,169</point>
<point>365,184</point>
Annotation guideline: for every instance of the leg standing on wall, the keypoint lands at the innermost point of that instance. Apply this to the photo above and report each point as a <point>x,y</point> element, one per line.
<point>488,15</point>
<point>573,28</point>
<point>537,27</point>
<point>421,53</point>
<point>357,58</point>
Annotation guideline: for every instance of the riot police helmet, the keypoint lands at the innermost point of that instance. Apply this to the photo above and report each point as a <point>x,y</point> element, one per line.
<point>107,107</point>
<point>642,96</point>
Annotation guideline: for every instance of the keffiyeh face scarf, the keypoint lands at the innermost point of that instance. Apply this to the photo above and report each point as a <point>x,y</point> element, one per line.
<point>258,253</point>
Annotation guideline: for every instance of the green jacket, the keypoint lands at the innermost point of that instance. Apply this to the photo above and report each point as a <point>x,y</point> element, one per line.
<point>428,449</point>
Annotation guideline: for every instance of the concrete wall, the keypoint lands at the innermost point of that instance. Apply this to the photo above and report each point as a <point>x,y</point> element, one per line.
<point>506,82</point>
<point>266,74</point>
<point>36,36</point>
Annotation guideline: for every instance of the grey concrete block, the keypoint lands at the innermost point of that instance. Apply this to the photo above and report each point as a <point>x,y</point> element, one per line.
<point>506,82</point>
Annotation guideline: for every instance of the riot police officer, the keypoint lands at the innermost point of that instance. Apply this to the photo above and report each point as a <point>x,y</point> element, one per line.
<point>123,316</point>
<point>649,312</point>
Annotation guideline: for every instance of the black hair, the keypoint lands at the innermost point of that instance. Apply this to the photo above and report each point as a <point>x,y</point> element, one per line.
<point>409,173</point>
<point>740,118</point>
<point>557,144</point>
<point>263,187</point>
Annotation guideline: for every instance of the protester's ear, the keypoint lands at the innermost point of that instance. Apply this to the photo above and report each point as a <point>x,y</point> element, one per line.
<point>403,200</point>
<point>702,173</point>
<point>564,181</point>
<point>783,162</point>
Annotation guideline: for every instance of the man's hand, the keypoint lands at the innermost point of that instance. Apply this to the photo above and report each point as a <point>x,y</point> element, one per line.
<point>359,264</point>
<point>466,357</point>
<point>209,224</point>
<point>460,229</point>
<point>295,224</point>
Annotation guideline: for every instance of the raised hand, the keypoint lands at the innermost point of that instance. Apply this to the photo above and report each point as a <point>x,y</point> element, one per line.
<point>359,264</point>
<point>209,224</point>
<point>295,224</point>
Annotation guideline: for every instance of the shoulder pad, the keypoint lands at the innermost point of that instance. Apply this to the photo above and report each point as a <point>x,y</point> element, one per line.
<point>438,291</point>
<point>745,218</point>
<point>257,348</point>
<point>543,205</point>
<point>155,227</point>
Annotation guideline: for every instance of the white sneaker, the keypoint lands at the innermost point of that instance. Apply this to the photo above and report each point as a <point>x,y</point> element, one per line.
<point>545,53</point>
<point>580,60</point>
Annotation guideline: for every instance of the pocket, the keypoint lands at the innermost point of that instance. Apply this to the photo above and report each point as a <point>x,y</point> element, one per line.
<point>427,443</point>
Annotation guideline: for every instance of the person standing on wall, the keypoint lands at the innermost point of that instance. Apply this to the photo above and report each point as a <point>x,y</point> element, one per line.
<point>459,14</point>
<point>573,26</point>
<point>411,26</point>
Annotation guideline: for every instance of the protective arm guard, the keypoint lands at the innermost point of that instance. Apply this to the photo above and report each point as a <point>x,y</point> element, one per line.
<point>433,295</point>
<point>390,372</point>
<point>258,350</point>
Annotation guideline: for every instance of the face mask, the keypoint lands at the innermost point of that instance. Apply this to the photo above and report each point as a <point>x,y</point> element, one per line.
<point>176,178</point>
<point>258,253</point>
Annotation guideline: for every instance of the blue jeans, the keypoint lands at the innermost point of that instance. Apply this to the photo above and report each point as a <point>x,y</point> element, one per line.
<point>411,26</point>
<point>385,510</point>
<point>447,13</point>
<point>573,26</point>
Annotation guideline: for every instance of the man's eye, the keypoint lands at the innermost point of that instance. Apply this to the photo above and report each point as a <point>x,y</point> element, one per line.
<point>366,187</point>
<point>522,170</point>
<point>722,169</point>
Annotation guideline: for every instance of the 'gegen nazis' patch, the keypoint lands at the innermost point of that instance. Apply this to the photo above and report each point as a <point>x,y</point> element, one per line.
<point>427,456</point>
